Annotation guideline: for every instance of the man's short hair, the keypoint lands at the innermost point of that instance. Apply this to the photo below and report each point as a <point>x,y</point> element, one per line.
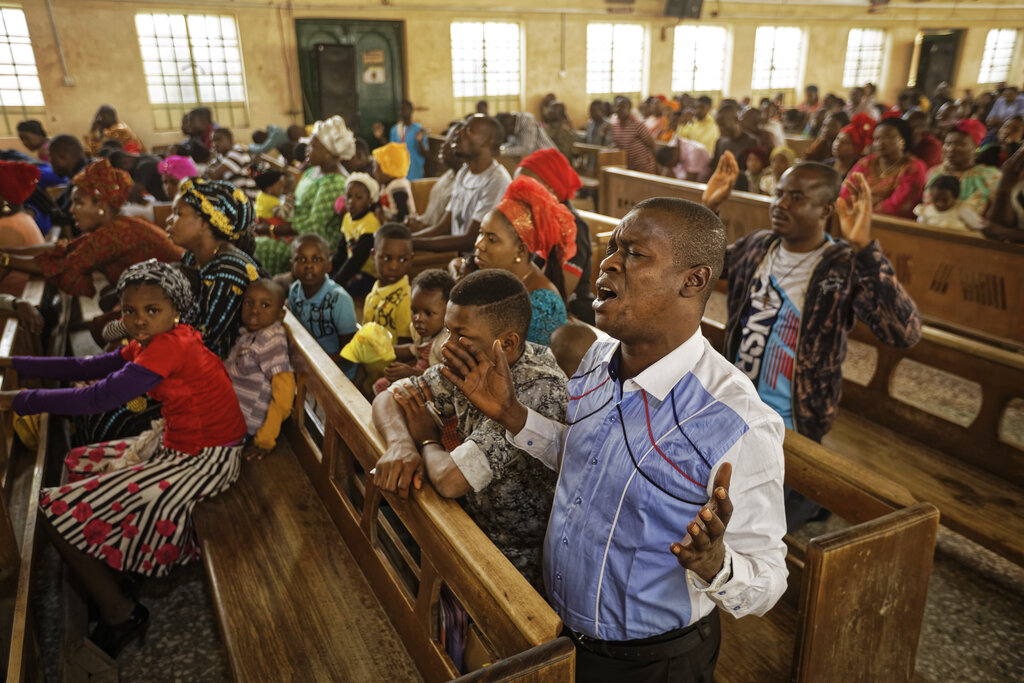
<point>312,238</point>
<point>435,280</point>
<point>493,128</point>
<point>704,99</point>
<point>698,239</point>
<point>500,297</point>
<point>831,181</point>
<point>225,131</point>
<point>391,231</point>
<point>664,154</point>
<point>279,293</point>
<point>64,144</point>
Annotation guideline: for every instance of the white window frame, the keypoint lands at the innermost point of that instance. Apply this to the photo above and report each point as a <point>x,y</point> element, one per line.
<point>21,92</point>
<point>497,91</point>
<point>992,69</point>
<point>606,88</point>
<point>763,52</point>
<point>686,58</point>
<point>862,42</point>
<point>191,68</point>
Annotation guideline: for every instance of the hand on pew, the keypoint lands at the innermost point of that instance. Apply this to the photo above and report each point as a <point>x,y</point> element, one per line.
<point>401,465</point>
<point>28,316</point>
<point>702,551</point>
<point>721,182</point>
<point>855,212</point>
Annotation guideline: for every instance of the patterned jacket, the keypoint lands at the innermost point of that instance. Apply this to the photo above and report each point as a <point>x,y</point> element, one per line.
<point>844,286</point>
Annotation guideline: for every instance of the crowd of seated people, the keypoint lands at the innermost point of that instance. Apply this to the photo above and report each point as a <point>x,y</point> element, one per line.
<point>462,360</point>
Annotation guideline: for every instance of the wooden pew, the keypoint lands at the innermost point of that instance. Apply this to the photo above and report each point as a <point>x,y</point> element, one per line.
<point>421,193</point>
<point>973,477</point>
<point>590,159</point>
<point>318,574</point>
<point>798,143</point>
<point>960,282</point>
<point>23,473</point>
<point>856,597</point>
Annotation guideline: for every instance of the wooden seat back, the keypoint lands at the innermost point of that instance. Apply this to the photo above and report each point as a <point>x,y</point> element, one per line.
<point>160,215</point>
<point>332,436</point>
<point>421,193</point>
<point>959,281</point>
<point>856,596</point>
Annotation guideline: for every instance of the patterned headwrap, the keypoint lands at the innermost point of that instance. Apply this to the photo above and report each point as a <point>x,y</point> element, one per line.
<point>393,159</point>
<point>336,137</point>
<point>165,276</point>
<point>178,167</point>
<point>972,128</point>
<point>554,170</point>
<point>861,130</point>
<point>104,183</point>
<point>220,203</point>
<point>539,220</point>
<point>367,181</point>
<point>17,180</point>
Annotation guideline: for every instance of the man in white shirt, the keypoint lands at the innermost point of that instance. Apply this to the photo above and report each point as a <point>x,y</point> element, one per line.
<point>477,188</point>
<point>661,432</point>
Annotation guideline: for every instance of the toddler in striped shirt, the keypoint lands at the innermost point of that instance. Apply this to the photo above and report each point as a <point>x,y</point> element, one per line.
<point>260,370</point>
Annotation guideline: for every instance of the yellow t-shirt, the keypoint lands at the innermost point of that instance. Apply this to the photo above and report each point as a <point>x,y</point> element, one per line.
<point>265,204</point>
<point>352,230</point>
<point>390,307</point>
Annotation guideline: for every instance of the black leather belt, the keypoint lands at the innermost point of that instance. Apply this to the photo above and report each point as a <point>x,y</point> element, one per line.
<point>662,646</point>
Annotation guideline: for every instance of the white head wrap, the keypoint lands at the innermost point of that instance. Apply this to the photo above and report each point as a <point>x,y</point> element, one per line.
<point>367,181</point>
<point>336,137</point>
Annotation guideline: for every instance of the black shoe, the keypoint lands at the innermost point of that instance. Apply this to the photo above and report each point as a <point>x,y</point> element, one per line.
<point>111,638</point>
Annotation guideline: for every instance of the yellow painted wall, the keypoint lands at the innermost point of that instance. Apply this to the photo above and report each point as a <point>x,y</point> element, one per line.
<point>103,56</point>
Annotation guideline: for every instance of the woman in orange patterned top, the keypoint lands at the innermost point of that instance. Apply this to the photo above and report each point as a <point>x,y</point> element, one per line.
<point>895,176</point>
<point>110,242</point>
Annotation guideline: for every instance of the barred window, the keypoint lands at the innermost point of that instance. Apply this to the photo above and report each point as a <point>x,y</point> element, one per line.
<point>777,57</point>
<point>995,61</point>
<point>864,51</point>
<point>192,60</point>
<point>486,66</point>
<point>21,95</point>
<point>698,60</point>
<point>615,59</point>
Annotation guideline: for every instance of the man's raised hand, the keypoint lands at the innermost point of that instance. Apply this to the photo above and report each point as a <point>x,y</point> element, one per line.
<point>486,383</point>
<point>721,182</point>
<point>702,550</point>
<point>855,212</point>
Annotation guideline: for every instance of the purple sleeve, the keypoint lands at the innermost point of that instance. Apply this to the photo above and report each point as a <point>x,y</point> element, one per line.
<point>71,369</point>
<point>130,381</point>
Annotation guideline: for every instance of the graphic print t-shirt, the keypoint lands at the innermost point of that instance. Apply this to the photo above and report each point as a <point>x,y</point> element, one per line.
<point>771,324</point>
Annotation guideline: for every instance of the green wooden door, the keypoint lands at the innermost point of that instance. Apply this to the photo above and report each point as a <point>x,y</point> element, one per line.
<point>378,70</point>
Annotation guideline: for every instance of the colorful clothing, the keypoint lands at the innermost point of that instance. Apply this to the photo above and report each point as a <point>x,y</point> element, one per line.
<point>406,135</point>
<point>548,315</point>
<point>314,212</point>
<point>391,307</point>
<point>512,492</point>
<point>120,132</point>
<point>632,136</point>
<point>237,162</point>
<point>265,205</point>
<point>223,282</point>
<point>262,374</point>
<point>352,229</point>
<point>977,185</point>
<point>705,131</point>
<point>620,497</point>
<point>110,249</point>
<point>326,315</point>
<point>845,286</point>
<point>694,160</point>
<point>896,192</point>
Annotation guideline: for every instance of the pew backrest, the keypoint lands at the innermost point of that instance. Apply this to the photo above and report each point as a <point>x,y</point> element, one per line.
<point>421,193</point>
<point>333,438</point>
<point>959,281</point>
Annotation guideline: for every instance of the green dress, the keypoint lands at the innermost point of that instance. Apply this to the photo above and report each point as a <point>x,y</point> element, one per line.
<point>315,196</point>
